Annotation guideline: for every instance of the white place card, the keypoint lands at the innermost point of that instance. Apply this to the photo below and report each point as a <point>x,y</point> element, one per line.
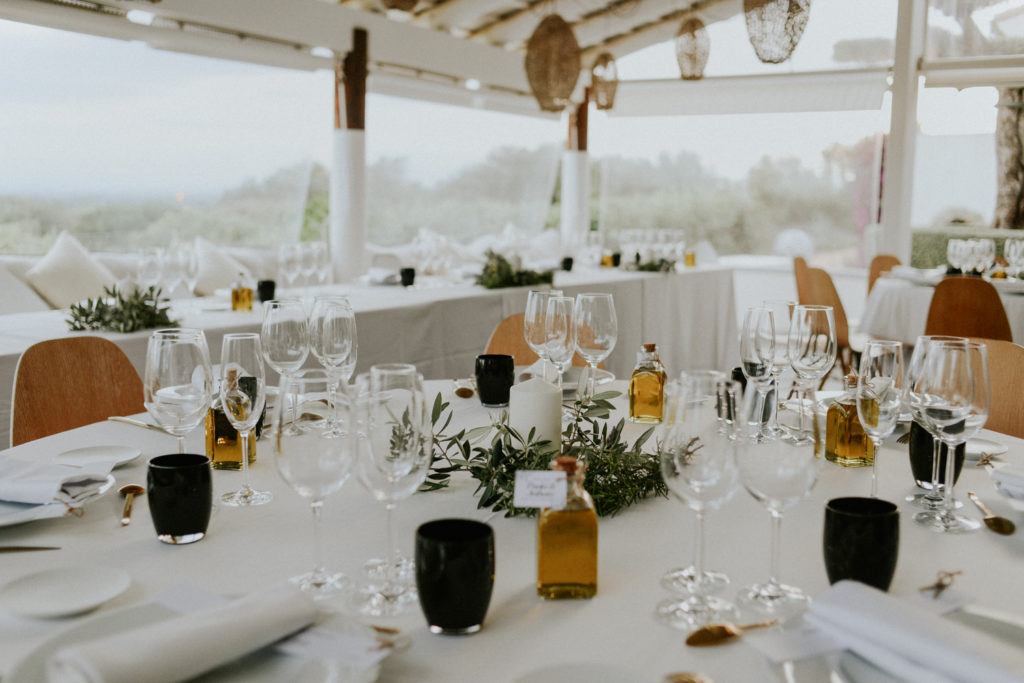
<point>540,489</point>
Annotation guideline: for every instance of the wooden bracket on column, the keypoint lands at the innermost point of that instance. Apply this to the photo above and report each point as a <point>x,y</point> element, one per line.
<point>581,121</point>
<point>352,72</point>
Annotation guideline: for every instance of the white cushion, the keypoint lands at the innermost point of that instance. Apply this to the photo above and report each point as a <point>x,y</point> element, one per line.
<point>18,297</point>
<point>68,273</point>
<point>217,268</point>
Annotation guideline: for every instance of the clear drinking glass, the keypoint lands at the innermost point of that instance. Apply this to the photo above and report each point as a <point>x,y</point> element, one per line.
<point>559,344</point>
<point>393,460</point>
<point>243,393</point>
<point>879,394</point>
<point>757,358</point>
<point>533,323</point>
<point>699,466</point>
<point>595,330</point>
<point>953,396</point>
<point>285,335</point>
<point>313,463</point>
<point>178,380</point>
<point>782,311</point>
<point>332,337</point>
<point>812,353</point>
<point>1013,252</point>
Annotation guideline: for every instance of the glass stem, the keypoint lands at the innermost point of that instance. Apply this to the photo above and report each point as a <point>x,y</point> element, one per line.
<point>773,417</point>
<point>332,402</point>
<point>776,542</point>
<point>318,565</point>
<point>802,393</point>
<point>244,438</point>
<point>181,444</point>
<point>934,495</point>
<point>698,548</point>
<point>947,489</point>
<point>874,469</point>
<point>591,380</point>
<point>393,553</point>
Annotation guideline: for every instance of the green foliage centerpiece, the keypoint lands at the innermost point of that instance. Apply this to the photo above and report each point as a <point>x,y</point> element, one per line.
<point>499,272</point>
<point>119,312</point>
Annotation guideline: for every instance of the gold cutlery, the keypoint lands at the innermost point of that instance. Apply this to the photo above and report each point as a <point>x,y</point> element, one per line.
<point>716,634</point>
<point>1000,525</point>
<point>129,491</point>
<point>25,548</point>
<point>904,438</point>
<point>687,677</point>
<point>136,423</point>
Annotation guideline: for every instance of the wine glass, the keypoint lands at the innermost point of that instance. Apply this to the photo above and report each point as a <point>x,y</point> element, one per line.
<point>332,335</point>
<point>595,330</point>
<point>285,336</point>
<point>1013,251</point>
<point>243,393</point>
<point>954,395</point>
<point>812,353</point>
<point>757,356</point>
<point>879,395</point>
<point>778,473</point>
<point>559,344</point>
<point>699,466</point>
<point>313,462</point>
<point>394,457</point>
<point>782,311</point>
<point>533,323</point>
<point>178,380</point>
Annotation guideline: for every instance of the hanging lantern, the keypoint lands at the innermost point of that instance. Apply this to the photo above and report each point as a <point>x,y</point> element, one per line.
<point>552,63</point>
<point>604,80</point>
<point>692,48</point>
<point>403,5</point>
<point>775,27</point>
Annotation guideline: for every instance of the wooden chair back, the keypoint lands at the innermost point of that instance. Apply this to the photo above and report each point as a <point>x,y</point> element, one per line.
<point>968,307</point>
<point>508,338</point>
<point>822,292</point>
<point>882,263</point>
<point>1006,376</point>
<point>803,287</point>
<point>65,383</point>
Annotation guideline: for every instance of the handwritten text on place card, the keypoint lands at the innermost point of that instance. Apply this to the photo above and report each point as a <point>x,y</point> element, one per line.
<point>540,489</point>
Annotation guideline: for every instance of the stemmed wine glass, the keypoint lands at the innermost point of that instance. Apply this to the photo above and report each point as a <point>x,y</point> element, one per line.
<point>313,462</point>
<point>559,344</point>
<point>394,457</point>
<point>699,466</point>
<point>812,353</point>
<point>243,393</point>
<point>285,336</point>
<point>178,380</point>
<point>778,473</point>
<point>332,336</point>
<point>953,396</point>
<point>781,310</point>
<point>757,357</point>
<point>879,395</point>
<point>595,330</point>
<point>533,323</point>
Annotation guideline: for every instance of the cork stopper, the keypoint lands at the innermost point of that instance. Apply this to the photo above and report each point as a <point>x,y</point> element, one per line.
<point>566,463</point>
<point>650,348</point>
<point>850,381</point>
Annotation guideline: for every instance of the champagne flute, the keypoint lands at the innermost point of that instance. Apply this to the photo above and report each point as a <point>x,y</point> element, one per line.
<point>879,395</point>
<point>314,463</point>
<point>533,323</point>
<point>954,396</point>
<point>595,330</point>
<point>243,393</point>
<point>332,334</point>
<point>285,337</point>
<point>178,380</point>
<point>394,458</point>
<point>699,466</point>
<point>812,353</point>
<point>757,356</point>
<point>559,343</point>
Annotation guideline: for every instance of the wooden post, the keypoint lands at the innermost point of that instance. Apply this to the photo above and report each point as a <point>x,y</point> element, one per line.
<point>354,70</point>
<point>581,121</point>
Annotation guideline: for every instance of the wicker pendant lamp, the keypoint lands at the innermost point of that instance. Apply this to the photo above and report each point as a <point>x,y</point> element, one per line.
<point>552,63</point>
<point>604,80</point>
<point>403,5</point>
<point>692,48</point>
<point>775,27</point>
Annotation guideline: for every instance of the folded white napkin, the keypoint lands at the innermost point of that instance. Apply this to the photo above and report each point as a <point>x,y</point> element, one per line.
<point>1009,480</point>
<point>22,481</point>
<point>184,647</point>
<point>910,641</point>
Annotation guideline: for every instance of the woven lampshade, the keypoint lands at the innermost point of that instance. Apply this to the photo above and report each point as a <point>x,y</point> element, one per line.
<point>775,27</point>
<point>552,63</point>
<point>692,48</point>
<point>403,5</point>
<point>604,80</point>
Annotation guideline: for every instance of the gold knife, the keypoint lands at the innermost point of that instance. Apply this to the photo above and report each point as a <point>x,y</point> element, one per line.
<point>25,548</point>
<point>137,423</point>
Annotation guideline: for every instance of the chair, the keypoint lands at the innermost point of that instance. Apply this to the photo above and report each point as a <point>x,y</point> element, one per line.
<point>968,307</point>
<point>1006,375</point>
<point>508,338</point>
<point>821,291</point>
<point>65,383</point>
<point>803,289</point>
<point>882,263</point>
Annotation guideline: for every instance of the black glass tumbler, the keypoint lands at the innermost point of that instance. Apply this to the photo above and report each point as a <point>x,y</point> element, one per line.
<point>495,374</point>
<point>922,455</point>
<point>861,540</point>
<point>454,574</point>
<point>408,276</point>
<point>265,290</point>
<point>180,496</point>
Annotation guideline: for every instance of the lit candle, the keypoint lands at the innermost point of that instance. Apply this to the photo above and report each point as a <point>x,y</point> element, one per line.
<point>536,404</point>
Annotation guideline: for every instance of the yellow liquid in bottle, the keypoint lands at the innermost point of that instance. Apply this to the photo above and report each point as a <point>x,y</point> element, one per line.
<point>241,299</point>
<point>846,443</point>
<point>567,554</point>
<point>646,394</point>
<point>223,445</point>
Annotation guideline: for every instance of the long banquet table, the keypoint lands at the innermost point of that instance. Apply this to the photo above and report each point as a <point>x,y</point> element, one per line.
<point>248,548</point>
<point>442,326</point>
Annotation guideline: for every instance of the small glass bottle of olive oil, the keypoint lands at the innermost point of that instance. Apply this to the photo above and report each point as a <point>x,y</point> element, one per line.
<point>647,386</point>
<point>241,294</point>
<point>846,443</point>
<point>567,541</point>
<point>223,446</point>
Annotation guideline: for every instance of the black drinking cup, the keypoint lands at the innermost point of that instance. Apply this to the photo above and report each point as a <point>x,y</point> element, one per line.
<point>922,454</point>
<point>408,276</point>
<point>495,374</point>
<point>454,574</point>
<point>861,540</point>
<point>180,496</point>
<point>265,290</point>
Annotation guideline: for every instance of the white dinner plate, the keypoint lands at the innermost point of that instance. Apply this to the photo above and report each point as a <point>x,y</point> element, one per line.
<point>19,513</point>
<point>571,378</point>
<point>978,445</point>
<point>88,455</point>
<point>264,666</point>
<point>62,591</point>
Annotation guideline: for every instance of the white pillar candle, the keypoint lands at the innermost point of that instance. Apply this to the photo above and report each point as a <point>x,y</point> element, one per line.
<point>536,404</point>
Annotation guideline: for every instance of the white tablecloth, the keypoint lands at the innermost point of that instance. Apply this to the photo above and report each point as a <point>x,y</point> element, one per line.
<point>898,310</point>
<point>246,549</point>
<point>442,327</point>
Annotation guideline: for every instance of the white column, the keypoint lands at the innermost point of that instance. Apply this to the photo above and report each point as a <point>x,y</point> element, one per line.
<point>898,183</point>
<point>348,204</point>
<point>575,216</point>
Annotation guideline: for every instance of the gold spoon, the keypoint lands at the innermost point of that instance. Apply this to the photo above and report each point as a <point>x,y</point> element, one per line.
<point>1000,525</point>
<point>129,491</point>
<point>716,634</point>
<point>687,677</point>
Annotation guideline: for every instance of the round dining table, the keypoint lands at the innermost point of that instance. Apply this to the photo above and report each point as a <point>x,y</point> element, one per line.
<point>615,632</point>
